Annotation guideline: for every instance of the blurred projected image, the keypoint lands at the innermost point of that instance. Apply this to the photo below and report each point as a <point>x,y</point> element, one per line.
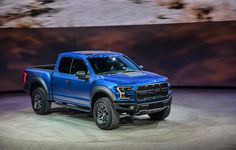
<point>62,13</point>
<point>189,54</point>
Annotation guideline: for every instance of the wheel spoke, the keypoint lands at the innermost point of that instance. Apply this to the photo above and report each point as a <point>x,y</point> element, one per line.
<point>102,115</point>
<point>37,101</point>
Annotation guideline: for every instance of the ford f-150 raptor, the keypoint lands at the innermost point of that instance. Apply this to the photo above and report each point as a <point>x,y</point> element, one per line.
<point>106,84</point>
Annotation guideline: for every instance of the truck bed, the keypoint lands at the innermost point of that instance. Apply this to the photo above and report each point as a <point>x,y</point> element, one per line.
<point>44,72</point>
<point>45,67</point>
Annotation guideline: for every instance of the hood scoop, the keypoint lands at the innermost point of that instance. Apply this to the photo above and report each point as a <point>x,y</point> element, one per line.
<point>134,77</point>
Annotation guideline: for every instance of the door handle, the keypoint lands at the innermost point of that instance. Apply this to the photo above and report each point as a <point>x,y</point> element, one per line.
<point>68,81</point>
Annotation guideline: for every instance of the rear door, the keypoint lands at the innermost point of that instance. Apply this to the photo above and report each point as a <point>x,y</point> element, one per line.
<point>61,79</point>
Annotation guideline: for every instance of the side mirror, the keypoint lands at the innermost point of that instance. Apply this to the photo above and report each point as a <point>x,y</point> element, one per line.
<point>141,67</point>
<point>82,75</point>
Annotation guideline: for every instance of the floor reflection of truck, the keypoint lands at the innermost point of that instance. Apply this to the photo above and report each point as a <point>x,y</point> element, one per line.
<point>107,84</point>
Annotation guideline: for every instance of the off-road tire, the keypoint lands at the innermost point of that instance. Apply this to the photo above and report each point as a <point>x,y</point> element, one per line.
<point>112,115</point>
<point>45,104</point>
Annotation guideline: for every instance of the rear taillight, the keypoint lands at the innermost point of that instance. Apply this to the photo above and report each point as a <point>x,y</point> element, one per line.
<point>24,77</point>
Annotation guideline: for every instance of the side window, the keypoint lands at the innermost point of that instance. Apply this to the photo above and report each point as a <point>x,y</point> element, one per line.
<point>78,65</point>
<point>65,64</point>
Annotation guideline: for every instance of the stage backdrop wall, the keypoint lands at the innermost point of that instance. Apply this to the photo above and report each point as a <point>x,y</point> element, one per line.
<point>192,54</point>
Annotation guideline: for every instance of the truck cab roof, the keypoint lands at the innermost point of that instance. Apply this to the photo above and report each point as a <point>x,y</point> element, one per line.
<point>91,53</point>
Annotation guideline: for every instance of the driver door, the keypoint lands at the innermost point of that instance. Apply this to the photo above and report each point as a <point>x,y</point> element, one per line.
<point>67,87</point>
<point>80,88</point>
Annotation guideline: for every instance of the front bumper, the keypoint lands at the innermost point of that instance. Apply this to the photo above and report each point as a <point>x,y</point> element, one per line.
<point>144,107</point>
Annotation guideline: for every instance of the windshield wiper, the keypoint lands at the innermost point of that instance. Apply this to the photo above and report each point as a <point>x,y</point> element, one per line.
<point>114,72</point>
<point>129,71</point>
<point>108,72</point>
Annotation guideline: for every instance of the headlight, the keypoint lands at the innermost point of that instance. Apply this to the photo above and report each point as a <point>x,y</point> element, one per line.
<point>122,91</point>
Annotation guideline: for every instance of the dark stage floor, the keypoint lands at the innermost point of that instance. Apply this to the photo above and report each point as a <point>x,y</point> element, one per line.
<point>200,119</point>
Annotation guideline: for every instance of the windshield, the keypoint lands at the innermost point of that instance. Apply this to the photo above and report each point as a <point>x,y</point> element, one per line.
<point>112,64</point>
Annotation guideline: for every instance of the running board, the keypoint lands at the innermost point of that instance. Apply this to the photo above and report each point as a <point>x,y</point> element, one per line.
<point>71,106</point>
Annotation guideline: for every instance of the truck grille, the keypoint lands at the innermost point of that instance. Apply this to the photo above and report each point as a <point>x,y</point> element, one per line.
<point>152,91</point>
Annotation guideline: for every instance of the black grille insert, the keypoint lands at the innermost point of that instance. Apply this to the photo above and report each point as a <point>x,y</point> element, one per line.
<point>152,91</point>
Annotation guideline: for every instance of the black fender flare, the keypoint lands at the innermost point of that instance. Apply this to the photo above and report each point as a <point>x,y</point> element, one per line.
<point>104,90</point>
<point>42,84</point>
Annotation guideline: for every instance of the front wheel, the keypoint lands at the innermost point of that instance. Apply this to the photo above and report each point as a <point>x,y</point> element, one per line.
<point>39,101</point>
<point>105,115</point>
<point>160,115</point>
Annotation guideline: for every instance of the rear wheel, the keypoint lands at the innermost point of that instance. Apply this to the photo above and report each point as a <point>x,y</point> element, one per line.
<point>105,115</point>
<point>39,101</point>
<point>160,115</point>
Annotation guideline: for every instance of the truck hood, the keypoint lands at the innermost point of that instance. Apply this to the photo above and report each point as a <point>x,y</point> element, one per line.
<point>139,77</point>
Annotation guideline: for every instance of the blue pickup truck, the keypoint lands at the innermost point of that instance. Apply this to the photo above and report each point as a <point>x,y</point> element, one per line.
<point>106,84</point>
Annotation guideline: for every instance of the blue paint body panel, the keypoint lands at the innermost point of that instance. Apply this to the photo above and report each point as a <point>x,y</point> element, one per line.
<point>79,92</point>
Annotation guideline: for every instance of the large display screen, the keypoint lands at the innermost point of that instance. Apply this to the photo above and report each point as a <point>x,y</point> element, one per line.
<point>74,13</point>
<point>190,54</point>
